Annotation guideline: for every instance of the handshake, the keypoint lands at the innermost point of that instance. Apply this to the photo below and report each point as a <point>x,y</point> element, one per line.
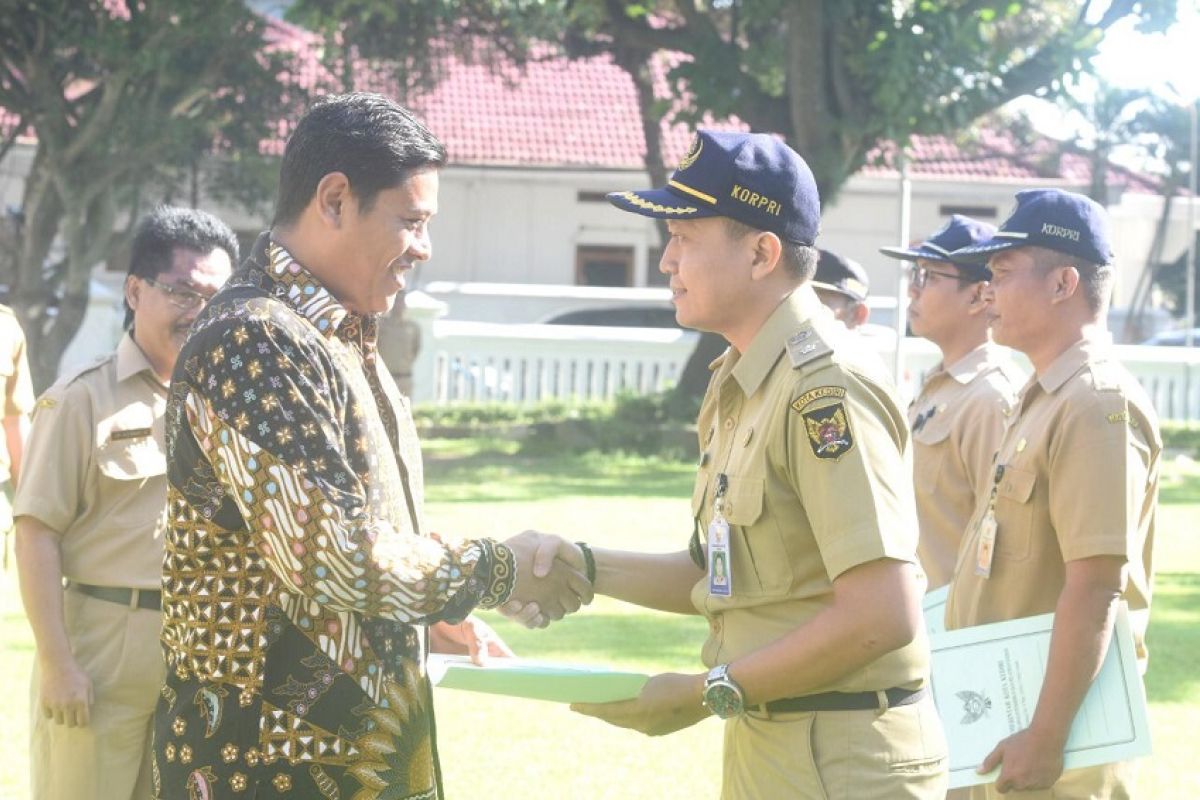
<point>551,579</point>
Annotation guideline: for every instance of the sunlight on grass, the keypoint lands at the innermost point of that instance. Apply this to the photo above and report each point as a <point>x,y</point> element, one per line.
<point>500,748</point>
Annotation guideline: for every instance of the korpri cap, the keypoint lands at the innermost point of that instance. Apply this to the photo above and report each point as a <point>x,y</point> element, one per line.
<point>957,233</point>
<point>841,275</point>
<point>1061,221</point>
<point>753,178</point>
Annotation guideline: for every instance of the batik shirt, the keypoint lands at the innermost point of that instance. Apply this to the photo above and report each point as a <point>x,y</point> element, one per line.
<point>297,573</point>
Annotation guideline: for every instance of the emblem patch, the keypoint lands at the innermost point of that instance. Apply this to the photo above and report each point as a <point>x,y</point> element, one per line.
<point>691,155</point>
<point>975,706</point>
<point>829,431</point>
<point>807,399</point>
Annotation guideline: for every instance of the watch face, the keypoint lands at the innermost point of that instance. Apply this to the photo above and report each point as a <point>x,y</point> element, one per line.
<point>724,700</point>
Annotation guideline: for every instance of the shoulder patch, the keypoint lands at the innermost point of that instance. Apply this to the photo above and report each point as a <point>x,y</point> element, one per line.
<point>828,431</point>
<point>806,345</point>
<point>812,395</point>
<point>45,402</point>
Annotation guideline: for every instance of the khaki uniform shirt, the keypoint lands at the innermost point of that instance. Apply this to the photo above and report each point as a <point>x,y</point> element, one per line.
<point>957,420</point>
<point>95,470</point>
<point>813,442</point>
<point>1078,471</point>
<point>15,385</point>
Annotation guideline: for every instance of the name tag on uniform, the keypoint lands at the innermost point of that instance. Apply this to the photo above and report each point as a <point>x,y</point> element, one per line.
<point>720,572</point>
<point>986,548</point>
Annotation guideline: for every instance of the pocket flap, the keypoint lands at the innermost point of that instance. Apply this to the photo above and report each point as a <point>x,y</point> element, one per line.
<point>934,430</point>
<point>1017,484</point>
<point>132,459</point>
<point>744,500</point>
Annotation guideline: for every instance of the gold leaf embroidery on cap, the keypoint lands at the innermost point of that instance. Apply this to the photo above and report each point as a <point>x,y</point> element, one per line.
<point>633,199</point>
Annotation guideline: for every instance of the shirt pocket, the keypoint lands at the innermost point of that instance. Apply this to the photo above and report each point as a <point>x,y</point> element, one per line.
<point>131,459</point>
<point>1014,513</point>
<point>929,455</point>
<point>761,565</point>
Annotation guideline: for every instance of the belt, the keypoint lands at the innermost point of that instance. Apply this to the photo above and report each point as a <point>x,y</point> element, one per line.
<point>845,701</point>
<point>149,599</point>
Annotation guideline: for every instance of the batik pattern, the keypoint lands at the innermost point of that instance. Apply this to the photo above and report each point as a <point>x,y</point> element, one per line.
<point>297,568</point>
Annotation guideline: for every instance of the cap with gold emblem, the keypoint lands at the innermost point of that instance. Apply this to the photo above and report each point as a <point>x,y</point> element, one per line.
<point>753,178</point>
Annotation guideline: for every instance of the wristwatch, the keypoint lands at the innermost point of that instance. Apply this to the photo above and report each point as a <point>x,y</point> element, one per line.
<point>722,695</point>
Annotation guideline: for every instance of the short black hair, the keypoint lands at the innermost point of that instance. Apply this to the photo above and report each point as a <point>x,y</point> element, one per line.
<point>167,228</point>
<point>800,260</point>
<point>372,140</point>
<point>1096,280</point>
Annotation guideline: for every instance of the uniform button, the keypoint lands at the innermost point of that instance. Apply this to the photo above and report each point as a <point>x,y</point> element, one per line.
<point>715,624</point>
<point>729,423</point>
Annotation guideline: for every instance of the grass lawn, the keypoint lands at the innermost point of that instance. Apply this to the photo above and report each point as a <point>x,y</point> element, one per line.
<point>501,748</point>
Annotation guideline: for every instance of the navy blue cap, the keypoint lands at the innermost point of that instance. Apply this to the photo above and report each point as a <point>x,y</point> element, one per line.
<point>957,233</point>
<point>1061,221</point>
<point>841,275</point>
<point>753,178</point>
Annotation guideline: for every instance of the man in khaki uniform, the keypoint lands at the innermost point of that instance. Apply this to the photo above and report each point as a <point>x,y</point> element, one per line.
<point>819,657</point>
<point>842,285</point>
<point>17,390</point>
<point>1067,525</point>
<point>959,414</point>
<point>91,508</point>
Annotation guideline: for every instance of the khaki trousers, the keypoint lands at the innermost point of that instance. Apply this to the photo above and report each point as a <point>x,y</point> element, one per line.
<point>1107,782</point>
<point>110,758</point>
<point>837,755</point>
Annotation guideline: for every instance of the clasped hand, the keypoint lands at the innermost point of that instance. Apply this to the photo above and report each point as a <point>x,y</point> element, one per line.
<point>550,580</point>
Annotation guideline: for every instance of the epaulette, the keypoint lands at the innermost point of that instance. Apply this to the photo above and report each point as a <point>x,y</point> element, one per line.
<point>806,345</point>
<point>78,371</point>
<point>51,397</point>
<point>1106,376</point>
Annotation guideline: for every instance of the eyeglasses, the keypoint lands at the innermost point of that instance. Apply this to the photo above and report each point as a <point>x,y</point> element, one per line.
<point>918,276</point>
<point>183,299</point>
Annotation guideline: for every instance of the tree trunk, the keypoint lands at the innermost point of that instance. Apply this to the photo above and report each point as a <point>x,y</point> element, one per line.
<point>50,322</point>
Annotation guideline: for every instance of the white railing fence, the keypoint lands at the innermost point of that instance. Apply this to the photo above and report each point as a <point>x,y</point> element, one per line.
<point>482,361</point>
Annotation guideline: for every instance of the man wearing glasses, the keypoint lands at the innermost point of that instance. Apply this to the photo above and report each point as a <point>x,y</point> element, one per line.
<point>91,510</point>
<point>958,416</point>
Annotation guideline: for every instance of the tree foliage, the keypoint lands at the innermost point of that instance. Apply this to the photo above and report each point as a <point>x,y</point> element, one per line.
<point>125,99</point>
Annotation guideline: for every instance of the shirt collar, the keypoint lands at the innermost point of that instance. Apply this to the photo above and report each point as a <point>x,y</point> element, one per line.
<point>308,296</point>
<point>132,361</point>
<point>979,360</point>
<point>1072,360</point>
<point>801,306</point>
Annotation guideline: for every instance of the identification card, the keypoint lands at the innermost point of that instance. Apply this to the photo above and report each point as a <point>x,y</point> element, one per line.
<point>720,574</point>
<point>987,545</point>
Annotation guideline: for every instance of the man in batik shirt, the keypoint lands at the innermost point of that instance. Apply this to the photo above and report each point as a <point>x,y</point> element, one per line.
<point>299,573</point>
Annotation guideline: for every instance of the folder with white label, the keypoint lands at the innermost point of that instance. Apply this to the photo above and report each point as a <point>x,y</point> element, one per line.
<point>986,682</point>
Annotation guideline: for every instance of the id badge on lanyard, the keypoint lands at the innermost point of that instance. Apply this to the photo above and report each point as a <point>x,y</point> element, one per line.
<point>985,550</point>
<point>720,564</point>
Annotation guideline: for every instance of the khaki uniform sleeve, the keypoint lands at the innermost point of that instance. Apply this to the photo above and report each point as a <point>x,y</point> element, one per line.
<point>848,463</point>
<point>19,397</point>
<point>58,455</point>
<point>1098,471</point>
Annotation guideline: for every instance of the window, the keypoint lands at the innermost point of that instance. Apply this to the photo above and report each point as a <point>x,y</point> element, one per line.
<point>655,276</point>
<point>603,266</point>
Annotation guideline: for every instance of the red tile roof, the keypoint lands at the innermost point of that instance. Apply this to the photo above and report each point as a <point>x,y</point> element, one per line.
<point>557,112</point>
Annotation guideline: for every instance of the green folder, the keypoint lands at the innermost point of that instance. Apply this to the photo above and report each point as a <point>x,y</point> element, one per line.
<point>536,680</point>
